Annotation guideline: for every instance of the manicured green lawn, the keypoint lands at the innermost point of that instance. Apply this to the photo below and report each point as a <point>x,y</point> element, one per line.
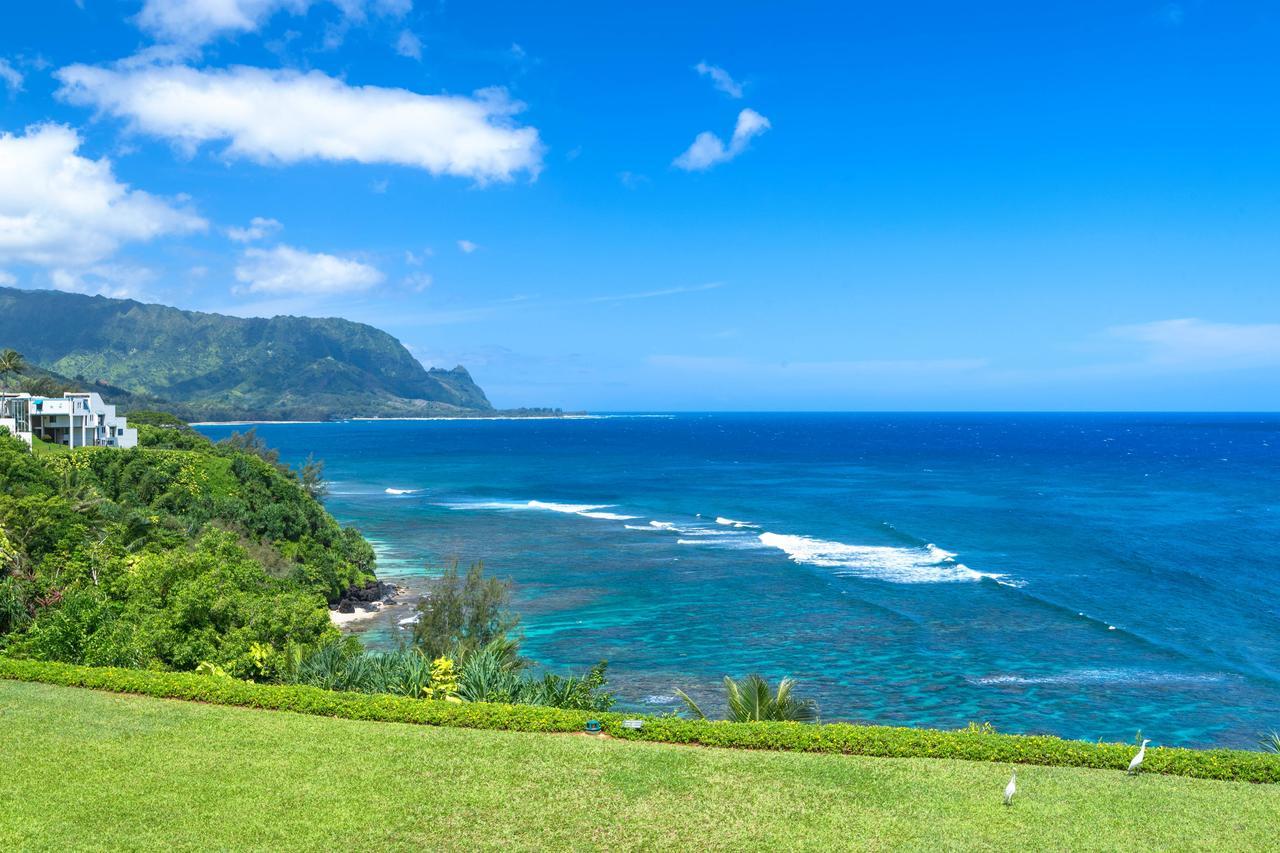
<point>82,768</point>
<point>44,448</point>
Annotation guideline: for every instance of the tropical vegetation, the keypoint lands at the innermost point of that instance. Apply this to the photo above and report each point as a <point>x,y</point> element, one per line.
<point>11,364</point>
<point>165,556</point>
<point>753,700</point>
<point>464,647</point>
<point>183,554</point>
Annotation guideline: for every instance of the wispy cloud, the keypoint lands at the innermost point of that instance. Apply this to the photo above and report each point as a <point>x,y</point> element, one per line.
<point>1200,344</point>
<point>709,150</point>
<point>467,247</point>
<point>258,228</point>
<point>651,294</point>
<point>418,281</point>
<point>120,281</point>
<point>632,180</point>
<point>409,45</point>
<point>196,22</point>
<point>720,79</point>
<point>10,77</point>
<point>1173,14</point>
<point>870,368</point>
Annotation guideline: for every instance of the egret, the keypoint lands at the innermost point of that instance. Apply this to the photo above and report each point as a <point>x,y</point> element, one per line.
<point>1011,789</point>
<point>1137,759</point>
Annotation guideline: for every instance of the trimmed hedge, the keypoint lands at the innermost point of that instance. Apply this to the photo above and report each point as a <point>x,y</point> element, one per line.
<point>845,738</point>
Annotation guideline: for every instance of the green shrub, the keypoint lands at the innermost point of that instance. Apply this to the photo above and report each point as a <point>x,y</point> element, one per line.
<point>489,674</point>
<point>1225,764</point>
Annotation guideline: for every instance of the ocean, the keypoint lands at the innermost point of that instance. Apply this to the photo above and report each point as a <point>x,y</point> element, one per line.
<point>1088,576</point>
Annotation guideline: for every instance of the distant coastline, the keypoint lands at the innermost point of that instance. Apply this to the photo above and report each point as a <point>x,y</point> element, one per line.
<point>568,416</point>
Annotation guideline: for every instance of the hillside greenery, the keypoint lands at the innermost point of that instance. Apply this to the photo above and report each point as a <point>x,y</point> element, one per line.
<point>164,775</point>
<point>169,555</point>
<point>214,367</point>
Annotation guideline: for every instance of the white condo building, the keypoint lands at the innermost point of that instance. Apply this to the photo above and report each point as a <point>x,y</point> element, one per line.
<point>79,419</point>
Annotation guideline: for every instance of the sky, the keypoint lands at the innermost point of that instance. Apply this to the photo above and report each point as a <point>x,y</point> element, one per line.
<point>673,206</point>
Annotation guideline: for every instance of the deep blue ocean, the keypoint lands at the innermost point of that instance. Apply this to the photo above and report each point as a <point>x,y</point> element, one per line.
<point>1083,575</point>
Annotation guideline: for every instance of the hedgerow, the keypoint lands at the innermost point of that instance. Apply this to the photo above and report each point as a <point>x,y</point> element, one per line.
<point>844,738</point>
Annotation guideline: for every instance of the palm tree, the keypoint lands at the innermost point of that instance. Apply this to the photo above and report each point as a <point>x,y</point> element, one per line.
<point>11,361</point>
<point>752,699</point>
<point>1270,742</point>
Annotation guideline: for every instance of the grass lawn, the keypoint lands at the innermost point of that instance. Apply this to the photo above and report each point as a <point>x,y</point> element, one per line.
<point>43,448</point>
<point>88,769</point>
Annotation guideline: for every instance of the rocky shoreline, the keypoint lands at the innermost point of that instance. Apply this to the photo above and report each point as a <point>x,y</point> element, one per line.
<point>363,602</point>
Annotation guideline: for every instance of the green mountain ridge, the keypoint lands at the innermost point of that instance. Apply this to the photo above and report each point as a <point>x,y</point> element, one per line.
<point>215,367</point>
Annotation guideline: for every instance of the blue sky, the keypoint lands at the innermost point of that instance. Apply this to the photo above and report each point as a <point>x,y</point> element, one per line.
<point>733,206</point>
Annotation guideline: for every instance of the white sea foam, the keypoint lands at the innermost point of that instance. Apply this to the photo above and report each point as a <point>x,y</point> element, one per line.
<point>499,505</point>
<point>584,510</point>
<point>1103,676</point>
<point>740,542</point>
<point>929,564</point>
<point>576,509</point>
<point>399,491</point>
<point>729,522</point>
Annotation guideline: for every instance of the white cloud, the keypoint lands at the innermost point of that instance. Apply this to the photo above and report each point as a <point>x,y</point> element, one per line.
<point>7,279</point>
<point>467,246</point>
<point>415,259</point>
<point>408,44</point>
<point>1193,343</point>
<point>119,281</point>
<point>650,294</point>
<point>282,117</point>
<point>258,228</point>
<point>196,22</point>
<point>285,269</point>
<point>708,150</point>
<point>720,79</point>
<point>10,77</point>
<point>59,209</point>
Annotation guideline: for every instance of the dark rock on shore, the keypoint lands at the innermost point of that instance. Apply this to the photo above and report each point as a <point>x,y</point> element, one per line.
<point>363,595</point>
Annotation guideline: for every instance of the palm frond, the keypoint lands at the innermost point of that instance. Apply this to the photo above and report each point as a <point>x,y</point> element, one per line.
<point>691,705</point>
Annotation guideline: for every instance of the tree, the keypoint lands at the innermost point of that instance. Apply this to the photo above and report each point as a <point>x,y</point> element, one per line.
<point>462,614</point>
<point>312,476</point>
<point>752,700</point>
<point>11,361</point>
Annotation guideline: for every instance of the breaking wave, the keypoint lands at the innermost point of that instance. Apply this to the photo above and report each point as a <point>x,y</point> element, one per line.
<point>928,564</point>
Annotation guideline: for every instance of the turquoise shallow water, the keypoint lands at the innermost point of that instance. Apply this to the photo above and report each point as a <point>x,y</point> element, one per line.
<point>1085,575</point>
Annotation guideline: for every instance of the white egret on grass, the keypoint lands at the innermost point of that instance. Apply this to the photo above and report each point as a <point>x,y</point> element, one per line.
<point>1011,789</point>
<point>1137,759</point>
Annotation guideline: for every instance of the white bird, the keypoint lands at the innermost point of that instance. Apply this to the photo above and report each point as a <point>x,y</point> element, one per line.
<point>1137,759</point>
<point>1011,789</point>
